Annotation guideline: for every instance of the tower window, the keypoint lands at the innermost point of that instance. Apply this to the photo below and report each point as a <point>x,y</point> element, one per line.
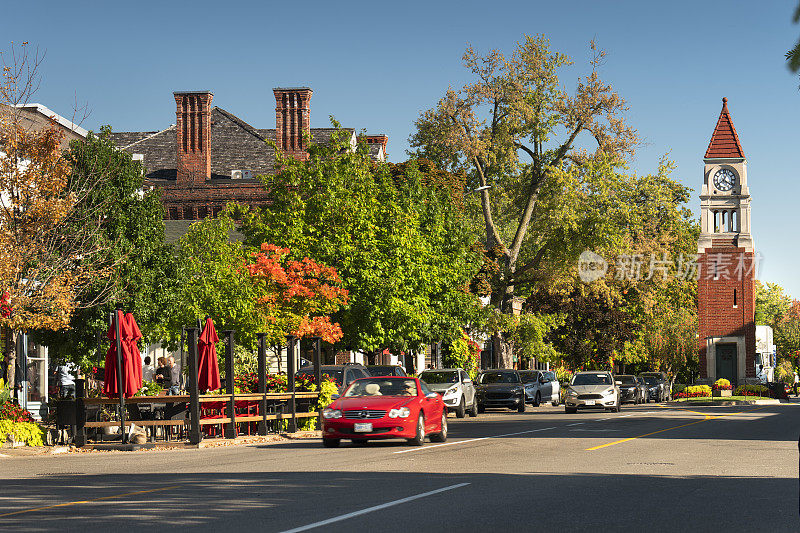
<point>734,298</point>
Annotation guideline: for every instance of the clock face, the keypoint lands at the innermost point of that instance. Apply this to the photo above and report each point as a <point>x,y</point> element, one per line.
<point>724,179</point>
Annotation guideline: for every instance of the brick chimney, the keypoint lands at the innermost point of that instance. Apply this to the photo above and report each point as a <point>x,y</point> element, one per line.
<point>380,138</point>
<point>194,136</point>
<point>292,119</point>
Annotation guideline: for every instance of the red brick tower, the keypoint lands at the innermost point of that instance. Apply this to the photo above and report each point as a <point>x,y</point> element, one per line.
<point>292,120</point>
<point>193,116</point>
<point>726,260</point>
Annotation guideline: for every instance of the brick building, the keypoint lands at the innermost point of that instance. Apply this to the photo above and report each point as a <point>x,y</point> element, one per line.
<point>726,260</point>
<point>210,157</point>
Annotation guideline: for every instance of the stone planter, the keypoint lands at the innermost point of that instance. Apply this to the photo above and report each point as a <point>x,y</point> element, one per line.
<point>721,393</point>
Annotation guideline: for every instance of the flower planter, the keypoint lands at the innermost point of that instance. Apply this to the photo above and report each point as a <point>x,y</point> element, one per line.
<point>721,393</point>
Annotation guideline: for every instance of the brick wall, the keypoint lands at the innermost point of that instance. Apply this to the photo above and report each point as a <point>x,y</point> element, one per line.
<point>292,120</point>
<point>193,116</point>
<point>184,203</point>
<point>717,315</point>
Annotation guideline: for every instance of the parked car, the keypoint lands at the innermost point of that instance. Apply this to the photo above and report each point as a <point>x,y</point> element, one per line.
<point>657,385</point>
<point>645,392</point>
<point>343,375</point>
<point>539,387</point>
<point>629,391</point>
<point>385,408</point>
<point>501,388</point>
<point>386,370</point>
<point>456,388</point>
<point>556,386</point>
<point>592,390</point>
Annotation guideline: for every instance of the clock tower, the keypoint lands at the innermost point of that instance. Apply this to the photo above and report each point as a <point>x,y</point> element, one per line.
<point>726,260</point>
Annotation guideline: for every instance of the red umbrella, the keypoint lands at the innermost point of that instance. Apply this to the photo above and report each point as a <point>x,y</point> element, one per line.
<point>208,367</point>
<point>110,387</point>
<point>136,359</point>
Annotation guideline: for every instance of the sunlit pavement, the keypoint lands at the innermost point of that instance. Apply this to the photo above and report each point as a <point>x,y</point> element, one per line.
<point>651,467</point>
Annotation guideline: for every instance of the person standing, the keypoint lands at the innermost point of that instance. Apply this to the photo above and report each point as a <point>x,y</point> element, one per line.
<point>796,383</point>
<point>174,376</point>
<point>65,381</point>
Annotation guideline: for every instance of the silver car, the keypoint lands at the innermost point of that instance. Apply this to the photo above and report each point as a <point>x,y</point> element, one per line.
<point>592,390</point>
<point>456,388</point>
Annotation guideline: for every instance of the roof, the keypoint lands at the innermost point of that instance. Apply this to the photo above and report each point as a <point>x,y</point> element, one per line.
<point>724,141</point>
<point>46,111</point>
<point>235,145</point>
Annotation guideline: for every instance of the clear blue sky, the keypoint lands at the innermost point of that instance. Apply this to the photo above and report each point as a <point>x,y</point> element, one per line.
<point>376,65</point>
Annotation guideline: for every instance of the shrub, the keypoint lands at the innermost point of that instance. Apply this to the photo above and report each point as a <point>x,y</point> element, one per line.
<point>695,391</point>
<point>752,390</point>
<point>28,432</point>
<point>722,384</point>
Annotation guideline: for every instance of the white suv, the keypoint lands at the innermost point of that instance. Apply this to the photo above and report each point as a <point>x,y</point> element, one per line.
<point>456,388</point>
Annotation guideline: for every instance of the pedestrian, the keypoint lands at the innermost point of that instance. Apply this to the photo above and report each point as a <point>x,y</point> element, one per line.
<point>796,383</point>
<point>174,376</point>
<point>148,374</point>
<point>162,374</point>
<point>65,381</point>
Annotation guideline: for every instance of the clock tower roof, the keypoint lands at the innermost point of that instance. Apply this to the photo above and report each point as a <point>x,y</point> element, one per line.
<point>724,141</point>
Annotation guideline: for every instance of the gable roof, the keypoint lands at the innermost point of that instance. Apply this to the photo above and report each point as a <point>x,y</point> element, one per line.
<point>724,141</point>
<point>235,145</point>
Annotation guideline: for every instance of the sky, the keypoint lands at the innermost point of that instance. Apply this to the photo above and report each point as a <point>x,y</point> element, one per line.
<point>377,65</point>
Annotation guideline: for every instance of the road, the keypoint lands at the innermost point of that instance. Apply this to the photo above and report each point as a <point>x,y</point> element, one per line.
<point>648,467</point>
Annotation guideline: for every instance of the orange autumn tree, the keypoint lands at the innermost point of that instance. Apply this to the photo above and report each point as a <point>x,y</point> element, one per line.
<point>299,296</point>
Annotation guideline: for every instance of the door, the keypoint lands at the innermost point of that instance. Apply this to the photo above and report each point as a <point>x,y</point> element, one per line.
<point>546,388</point>
<point>466,386</point>
<point>726,362</point>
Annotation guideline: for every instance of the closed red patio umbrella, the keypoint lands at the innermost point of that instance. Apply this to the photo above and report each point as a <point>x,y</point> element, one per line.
<point>110,387</point>
<point>133,343</point>
<point>207,366</point>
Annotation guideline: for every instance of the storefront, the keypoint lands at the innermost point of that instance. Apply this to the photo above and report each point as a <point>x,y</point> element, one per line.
<point>32,372</point>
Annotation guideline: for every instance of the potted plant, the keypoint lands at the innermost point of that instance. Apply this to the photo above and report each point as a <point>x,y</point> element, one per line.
<point>721,388</point>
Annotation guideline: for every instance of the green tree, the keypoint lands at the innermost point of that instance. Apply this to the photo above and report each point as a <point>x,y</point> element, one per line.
<point>536,214</point>
<point>399,245</point>
<point>132,233</point>
<point>793,55</point>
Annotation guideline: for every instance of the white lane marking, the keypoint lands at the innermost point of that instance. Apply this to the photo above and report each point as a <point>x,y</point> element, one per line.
<point>625,416</point>
<point>473,440</point>
<point>602,419</point>
<point>374,508</point>
<point>576,424</point>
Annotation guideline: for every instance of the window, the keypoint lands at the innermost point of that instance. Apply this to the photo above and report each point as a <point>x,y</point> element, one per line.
<point>734,299</point>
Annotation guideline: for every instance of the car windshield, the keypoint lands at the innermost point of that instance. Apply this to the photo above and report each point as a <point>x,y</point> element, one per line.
<point>439,377</point>
<point>591,379</point>
<point>499,377</point>
<point>381,370</point>
<point>381,387</point>
<point>626,380</point>
<point>650,380</point>
<point>528,377</point>
<point>335,375</point>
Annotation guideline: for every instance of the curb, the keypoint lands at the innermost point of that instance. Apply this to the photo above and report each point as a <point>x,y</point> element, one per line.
<point>771,401</point>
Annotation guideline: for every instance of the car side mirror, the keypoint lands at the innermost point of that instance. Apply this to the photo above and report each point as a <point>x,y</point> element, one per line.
<point>432,395</point>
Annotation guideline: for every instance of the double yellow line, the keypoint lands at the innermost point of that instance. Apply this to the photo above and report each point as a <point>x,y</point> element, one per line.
<point>706,418</point>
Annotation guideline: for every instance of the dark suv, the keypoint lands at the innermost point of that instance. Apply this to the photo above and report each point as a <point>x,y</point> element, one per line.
<point>343,375</point>
<point>500,388</point>
<point>657,386</point>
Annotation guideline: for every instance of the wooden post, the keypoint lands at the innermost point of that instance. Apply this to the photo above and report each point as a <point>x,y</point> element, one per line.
<point>230,377</point>
<point>262,382</point>
<point>195,436</point>
<point>290,370</point>
<point>318,375</point>
<point>120,375</point>
<point>80,413</point>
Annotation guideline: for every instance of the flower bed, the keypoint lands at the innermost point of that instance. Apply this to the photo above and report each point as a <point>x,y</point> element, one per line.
<point>695,391</point>
<point>17,422</point>
<point>722,384</point>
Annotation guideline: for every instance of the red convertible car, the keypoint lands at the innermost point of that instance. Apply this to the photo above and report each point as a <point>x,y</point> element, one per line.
<point>385,408</point>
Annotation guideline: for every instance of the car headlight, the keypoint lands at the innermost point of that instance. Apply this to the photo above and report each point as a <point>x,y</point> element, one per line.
<point>571,392</point>
<point>403,412</point>
<point>331,413</point>
<point>451,390</point>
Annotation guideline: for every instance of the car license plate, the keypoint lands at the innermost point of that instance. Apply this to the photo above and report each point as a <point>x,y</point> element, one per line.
<point>589,402</point>
<point>364,427</point>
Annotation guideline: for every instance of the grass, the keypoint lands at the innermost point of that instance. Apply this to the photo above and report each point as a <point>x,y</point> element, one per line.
<point>722,398</point>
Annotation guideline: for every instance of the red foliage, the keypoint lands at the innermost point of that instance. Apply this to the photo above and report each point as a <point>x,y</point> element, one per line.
<point>5,307</point>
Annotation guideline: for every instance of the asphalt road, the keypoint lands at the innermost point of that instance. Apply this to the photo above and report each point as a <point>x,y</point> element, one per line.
<point>647,468</point>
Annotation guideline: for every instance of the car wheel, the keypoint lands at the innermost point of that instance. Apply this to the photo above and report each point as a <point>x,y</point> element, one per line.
<point>473,411</point>
<point>442,435</point>
<point>461,409</point>
<point>330,443</point>
<point>359,442</point>
<point>554,401</point>
<point>481,409</point>
<point>537,400</point>
<point>521,406</point>
<point>419,439</point>
<point>570,410</point>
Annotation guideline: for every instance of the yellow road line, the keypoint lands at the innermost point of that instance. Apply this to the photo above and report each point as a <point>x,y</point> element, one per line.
<point>707,417</point>
<point>87,501</point>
